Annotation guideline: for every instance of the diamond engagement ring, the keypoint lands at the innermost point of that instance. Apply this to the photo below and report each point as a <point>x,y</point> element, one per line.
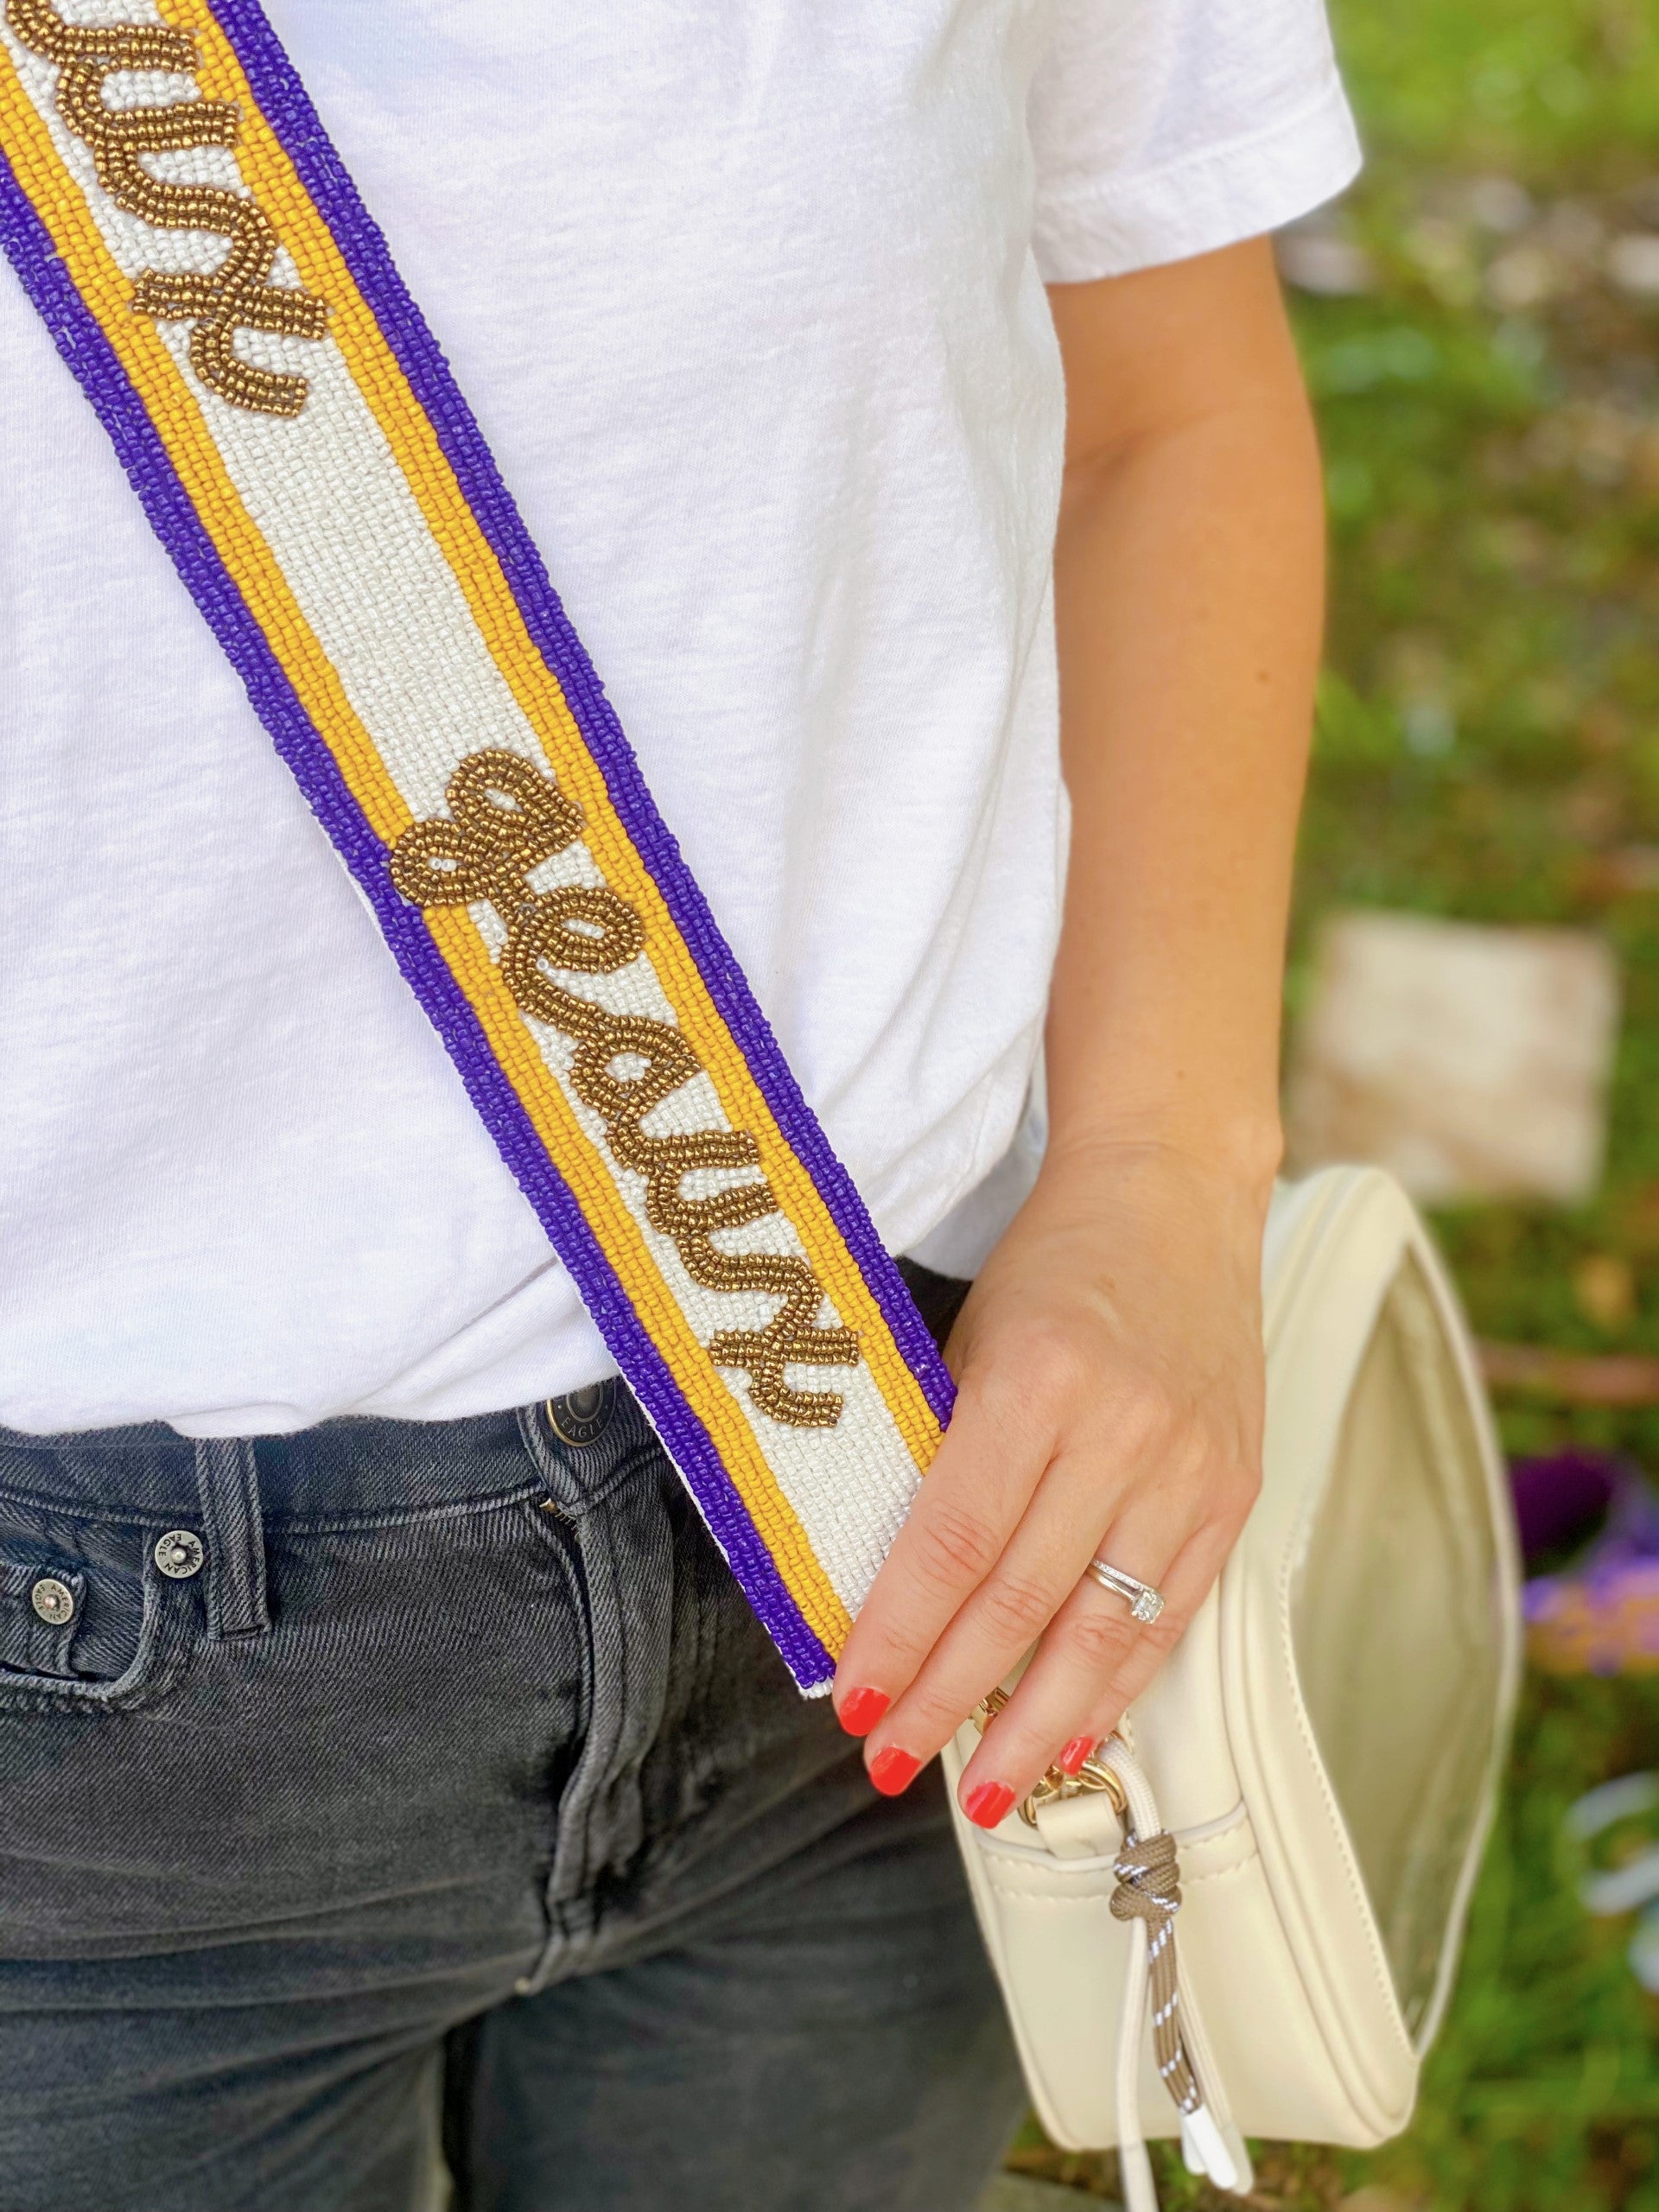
<point>1144,1602</point>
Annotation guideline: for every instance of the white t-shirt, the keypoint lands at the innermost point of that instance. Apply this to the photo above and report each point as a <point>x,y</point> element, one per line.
<point>747,298</point>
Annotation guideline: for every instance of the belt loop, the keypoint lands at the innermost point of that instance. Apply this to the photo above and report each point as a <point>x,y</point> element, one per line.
<point>227,1479</point>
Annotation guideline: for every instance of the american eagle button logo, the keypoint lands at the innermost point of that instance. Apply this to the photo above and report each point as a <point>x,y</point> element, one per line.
<point>179,1554</point>
<point>53,1600</point>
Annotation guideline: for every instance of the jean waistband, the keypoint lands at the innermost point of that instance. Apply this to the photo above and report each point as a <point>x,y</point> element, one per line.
<point>340,1470</point>
<point>365,1467</point>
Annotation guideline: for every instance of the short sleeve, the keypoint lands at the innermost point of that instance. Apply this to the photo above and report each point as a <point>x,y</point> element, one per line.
<point>1165,128</point>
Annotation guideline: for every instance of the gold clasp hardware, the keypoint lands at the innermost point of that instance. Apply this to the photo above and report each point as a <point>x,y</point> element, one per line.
<point>1094,1774</point>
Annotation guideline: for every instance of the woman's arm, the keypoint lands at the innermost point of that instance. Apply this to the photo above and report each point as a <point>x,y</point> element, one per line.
<point>1110,1357</point>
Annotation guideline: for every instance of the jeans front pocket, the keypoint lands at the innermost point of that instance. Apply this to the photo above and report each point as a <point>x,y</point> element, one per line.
<point>87,1618</point>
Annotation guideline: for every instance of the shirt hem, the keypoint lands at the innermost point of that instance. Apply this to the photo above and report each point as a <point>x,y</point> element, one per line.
<point>1250,185</point>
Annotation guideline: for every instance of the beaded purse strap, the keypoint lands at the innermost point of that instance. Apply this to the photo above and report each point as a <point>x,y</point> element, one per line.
<point>177,214</point>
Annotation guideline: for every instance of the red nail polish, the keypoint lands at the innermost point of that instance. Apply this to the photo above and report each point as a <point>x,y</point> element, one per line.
<point>862,1709</point>
<point>989,1804</point>
<point>893,1770</point>
<point>1075,1752</point>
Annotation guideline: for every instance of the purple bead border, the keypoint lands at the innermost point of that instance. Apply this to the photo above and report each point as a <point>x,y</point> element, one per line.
<point>287,107</point>
<point>81,342</point>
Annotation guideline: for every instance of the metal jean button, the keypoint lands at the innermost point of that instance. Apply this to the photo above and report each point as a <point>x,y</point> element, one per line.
<point>180,1553</point>
<point>581,1416</point>
<point>53,1600</point>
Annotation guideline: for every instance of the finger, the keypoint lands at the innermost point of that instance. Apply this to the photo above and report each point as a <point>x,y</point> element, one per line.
<point>1000,1620</point>
<point>1091,1642</point>
<point>1092,1664</point>
<point>1201,1558</point>
<point>991,1461</point>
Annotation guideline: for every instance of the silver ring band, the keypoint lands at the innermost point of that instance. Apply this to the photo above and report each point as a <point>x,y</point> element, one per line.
<point>1145,1604</point>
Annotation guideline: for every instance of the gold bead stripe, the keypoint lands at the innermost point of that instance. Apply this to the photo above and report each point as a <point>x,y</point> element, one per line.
<point>237,295</point>
<point>458,939</point>
<point>456,531</point>
<point>631,1185</point>
<point>177,412</point>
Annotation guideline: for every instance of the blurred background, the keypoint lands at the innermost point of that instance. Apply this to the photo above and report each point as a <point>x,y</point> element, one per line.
<point>1474,990</point>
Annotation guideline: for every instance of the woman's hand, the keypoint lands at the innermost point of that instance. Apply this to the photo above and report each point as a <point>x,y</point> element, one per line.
<point>1109,1371</point>
<point>1110,1357</point>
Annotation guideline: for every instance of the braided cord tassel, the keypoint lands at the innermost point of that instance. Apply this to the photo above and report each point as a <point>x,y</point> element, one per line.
<point>1146,1900</point>
<point>1148,1889</point>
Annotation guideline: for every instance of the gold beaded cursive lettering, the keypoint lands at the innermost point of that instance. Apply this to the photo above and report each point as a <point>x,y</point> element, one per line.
<point>504,819</point>
<point>239,295</point>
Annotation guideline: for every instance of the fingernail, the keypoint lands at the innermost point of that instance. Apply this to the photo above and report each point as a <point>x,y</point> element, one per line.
<point>989,1804</point>
<point>862,1709</point>
<point>892,1770</point>
<point>1075,1752</point>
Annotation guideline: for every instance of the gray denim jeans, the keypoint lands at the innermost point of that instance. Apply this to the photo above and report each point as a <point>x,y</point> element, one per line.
<point>394,1786</point>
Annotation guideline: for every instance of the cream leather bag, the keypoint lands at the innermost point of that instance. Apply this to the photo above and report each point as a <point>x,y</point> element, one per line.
<point>1322,1748</point>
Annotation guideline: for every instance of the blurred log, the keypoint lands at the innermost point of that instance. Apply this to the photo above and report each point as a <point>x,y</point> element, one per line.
<point>1572,1378</point>
<point>1472,1061</point>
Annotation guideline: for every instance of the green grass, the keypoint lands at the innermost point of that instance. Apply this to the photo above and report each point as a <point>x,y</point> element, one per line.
<point>1495,490</point>
<point>1488,747</point>
<point>1554,92</point>
<point>1489,731</point>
